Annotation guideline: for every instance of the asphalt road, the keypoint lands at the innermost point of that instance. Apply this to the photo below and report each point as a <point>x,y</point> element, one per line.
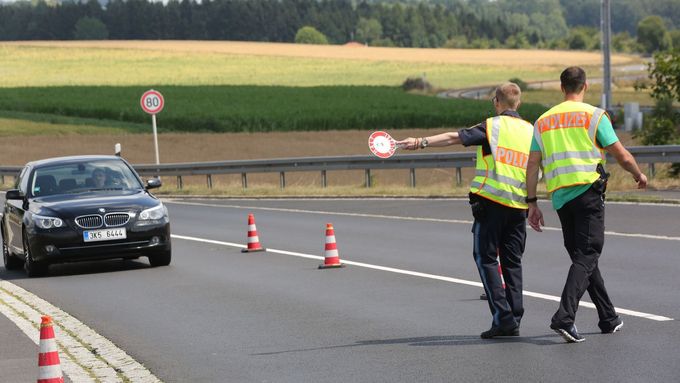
<point>219,315</point>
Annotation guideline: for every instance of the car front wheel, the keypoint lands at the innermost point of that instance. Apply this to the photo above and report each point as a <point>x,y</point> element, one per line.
<point>32,268</point>
<point>160,259</point>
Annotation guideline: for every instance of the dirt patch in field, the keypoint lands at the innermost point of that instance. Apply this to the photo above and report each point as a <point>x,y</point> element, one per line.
<point>139,149</point>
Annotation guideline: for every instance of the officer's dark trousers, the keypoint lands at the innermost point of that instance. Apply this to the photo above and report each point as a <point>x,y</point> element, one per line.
<point>501,231</point>
<point>583,229</point>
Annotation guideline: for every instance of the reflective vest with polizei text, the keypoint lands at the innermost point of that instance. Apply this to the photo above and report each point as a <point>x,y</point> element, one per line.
<point>501,175</point>
<point>567,135</point>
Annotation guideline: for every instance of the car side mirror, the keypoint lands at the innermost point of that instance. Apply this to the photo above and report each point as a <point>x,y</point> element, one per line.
<point>153,183</point>
<point>14,194</point>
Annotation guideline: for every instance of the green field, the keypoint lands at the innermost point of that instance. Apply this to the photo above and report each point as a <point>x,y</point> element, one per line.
<point>250,108</point>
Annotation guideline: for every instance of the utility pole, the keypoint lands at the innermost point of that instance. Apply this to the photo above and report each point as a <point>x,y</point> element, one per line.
<point>606,42</point>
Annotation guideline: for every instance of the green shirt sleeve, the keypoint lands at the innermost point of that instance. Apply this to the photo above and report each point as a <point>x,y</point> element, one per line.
<point>534,145</point>
<point>605,133</point>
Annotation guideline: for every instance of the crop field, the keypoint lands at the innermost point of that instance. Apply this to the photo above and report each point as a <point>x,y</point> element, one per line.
<point>247,108</point>
<point>156,63</point>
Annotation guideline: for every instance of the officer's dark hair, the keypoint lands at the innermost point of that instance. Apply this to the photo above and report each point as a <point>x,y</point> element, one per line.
<point>573,80</point>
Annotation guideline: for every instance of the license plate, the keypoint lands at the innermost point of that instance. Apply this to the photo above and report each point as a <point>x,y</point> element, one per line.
<point>104,235</point>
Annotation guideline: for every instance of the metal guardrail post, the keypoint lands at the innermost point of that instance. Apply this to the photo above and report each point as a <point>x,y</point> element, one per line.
<point>367,178</point>
<point>324,180</point>
<point>652,170</point>
<point>282,180</point>
<point>459,176</point>
<point>179,182</point>
<point>209,180</point>
<point>244,180</point>
<point>412,177</point>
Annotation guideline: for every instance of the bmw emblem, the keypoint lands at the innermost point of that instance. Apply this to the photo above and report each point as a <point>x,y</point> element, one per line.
<point>102,210</point>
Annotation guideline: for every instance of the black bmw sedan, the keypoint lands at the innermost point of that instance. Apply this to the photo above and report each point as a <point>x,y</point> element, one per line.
<point>82,208</point>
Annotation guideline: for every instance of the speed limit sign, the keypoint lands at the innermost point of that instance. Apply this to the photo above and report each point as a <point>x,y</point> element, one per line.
<point>152,101</point>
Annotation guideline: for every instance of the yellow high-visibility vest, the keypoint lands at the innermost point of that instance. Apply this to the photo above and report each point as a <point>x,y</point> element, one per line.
<point>501,175</point>
<point>567,135</point>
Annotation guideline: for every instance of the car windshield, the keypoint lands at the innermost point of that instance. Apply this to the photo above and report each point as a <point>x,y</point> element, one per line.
<point>73,178</point>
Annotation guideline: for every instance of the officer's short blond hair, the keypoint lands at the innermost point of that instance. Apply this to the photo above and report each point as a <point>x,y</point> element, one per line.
<point>509,94</point>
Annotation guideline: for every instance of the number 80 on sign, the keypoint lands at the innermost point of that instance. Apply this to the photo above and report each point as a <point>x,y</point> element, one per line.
<point>152,101</point>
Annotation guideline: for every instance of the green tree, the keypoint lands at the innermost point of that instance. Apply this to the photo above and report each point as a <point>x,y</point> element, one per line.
<point>663,126</point>
<point>310,35</point>
<point>90,28</point>
<point>675,38</point>
<point>368,30</point>
<point>665,75</point>
<point>578,40</point>
<point>652,34</point>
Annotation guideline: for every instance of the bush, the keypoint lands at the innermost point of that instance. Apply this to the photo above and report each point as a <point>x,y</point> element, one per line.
<point>310,35</point>
<point>416,83</point>
<point>523,86</point>
<point>90,28</point>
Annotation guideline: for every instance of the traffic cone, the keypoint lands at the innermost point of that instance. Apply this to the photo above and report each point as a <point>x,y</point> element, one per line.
<point>331,257</point>
<point>253,238</point>
<point>48,359</point>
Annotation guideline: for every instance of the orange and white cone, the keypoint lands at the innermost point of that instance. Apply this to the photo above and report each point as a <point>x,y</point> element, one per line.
<point>253,238</point>
<point>48,359</point>
<point>331,256</point>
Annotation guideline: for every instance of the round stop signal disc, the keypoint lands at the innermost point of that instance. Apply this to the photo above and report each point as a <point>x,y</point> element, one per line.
<point>381,144</point>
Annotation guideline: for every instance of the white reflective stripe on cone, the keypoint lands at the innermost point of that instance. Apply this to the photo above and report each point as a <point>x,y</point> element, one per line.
<point>330,239</point>
<point>49,372</point>
<point>332,253</point>
<point>48,345</point>
<point>253,239</point>
<point>251,227</point>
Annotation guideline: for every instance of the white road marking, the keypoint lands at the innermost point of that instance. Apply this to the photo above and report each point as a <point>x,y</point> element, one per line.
<point>85,355</point>
<point>394,217</point>
<point>420,275</point>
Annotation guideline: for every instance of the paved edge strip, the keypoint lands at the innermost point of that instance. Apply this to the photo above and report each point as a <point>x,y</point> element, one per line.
<point>421,275</point>
<point>86,355</point>
<point>393,217</point>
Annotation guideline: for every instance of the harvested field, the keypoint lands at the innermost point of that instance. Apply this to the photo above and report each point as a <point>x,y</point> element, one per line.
<point>510,57</point>
<point>154,63</point>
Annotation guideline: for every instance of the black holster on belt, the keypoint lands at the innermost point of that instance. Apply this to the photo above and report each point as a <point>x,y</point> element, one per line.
<point>600,185</point>
<point>478,206</point>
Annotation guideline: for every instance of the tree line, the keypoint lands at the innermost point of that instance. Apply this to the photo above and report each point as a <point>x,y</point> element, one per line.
<point>557,24</point>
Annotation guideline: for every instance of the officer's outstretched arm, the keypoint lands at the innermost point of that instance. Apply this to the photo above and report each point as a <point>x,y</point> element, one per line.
<point>627,161</point>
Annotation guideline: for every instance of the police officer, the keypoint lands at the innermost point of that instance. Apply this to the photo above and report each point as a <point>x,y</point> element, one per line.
<point>571,139</point>
<point>497,197</point>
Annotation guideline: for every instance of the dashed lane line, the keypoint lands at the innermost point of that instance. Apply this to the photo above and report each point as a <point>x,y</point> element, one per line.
<point>420,275</point>
<point>394,217</point>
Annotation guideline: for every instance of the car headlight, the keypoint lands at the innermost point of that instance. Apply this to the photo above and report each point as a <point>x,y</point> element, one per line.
<point>153,215</point>
<point>45,222</point>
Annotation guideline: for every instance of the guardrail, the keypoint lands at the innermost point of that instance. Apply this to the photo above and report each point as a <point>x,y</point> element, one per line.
<point>650,155</point>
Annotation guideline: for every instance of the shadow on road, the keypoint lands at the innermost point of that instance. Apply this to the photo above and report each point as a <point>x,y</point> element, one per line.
<point>80,268</point>
<point>450,340</point>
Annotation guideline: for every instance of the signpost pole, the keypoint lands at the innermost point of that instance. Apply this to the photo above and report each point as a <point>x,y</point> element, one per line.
<point>155,137</point>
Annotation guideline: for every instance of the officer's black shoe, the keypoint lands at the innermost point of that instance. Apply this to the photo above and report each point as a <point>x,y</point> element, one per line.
<point>496,331</point>
<point>612,328</point>
<point>569,333</point>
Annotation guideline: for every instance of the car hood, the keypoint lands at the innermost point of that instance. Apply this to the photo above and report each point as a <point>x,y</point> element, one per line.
<point>73,205</point>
